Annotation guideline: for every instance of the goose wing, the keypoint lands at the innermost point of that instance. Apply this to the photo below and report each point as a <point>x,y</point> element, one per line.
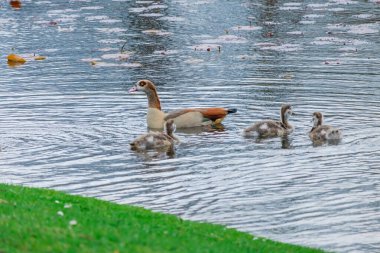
<point>213,114</point>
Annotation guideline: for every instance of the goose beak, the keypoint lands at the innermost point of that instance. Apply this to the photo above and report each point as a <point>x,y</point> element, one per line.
<point>133,89</point>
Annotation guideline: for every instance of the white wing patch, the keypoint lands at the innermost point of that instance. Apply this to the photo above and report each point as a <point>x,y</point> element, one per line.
<point>264,127</point>
<point>150,139</point>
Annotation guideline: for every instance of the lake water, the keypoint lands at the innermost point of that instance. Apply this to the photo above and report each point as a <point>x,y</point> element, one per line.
<point>66,121</point>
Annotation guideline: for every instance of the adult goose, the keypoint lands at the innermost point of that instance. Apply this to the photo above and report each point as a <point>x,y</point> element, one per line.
<point>189,117</point>
<point>272,128</point>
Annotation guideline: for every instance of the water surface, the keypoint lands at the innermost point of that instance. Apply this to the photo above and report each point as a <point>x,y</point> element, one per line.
<point>66,122</point>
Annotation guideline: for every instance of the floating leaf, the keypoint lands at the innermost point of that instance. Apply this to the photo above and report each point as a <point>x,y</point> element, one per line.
<point>39,58</point>
<point>15,58</point>
<point>16,4</point>
<point>13,64</point>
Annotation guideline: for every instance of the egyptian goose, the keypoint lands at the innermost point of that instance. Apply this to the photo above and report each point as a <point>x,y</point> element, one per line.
<point>190,117</point>
<point>156,140</point>
<point>272,128</point>
<point>321,132</point>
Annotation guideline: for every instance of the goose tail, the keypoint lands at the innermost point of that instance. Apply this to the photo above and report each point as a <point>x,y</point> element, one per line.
<point>233,110</point>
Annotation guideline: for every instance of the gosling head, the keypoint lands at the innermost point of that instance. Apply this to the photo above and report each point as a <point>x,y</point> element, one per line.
<point>143,85</point>
<point>317,119</point>
<point>169,127</point>
<point>286,111</point>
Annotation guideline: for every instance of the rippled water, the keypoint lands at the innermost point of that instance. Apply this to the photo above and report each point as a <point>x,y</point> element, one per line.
<point>66,124</point>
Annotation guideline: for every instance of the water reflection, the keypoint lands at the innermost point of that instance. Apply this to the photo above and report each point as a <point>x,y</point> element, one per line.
<point>285,141</point>
<point>319,143</point>
<point>158,154</point>
<point>202,129</point>
<point>13,64</point>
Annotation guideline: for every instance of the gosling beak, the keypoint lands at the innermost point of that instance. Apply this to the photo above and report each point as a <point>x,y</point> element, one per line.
<point>133,89</point>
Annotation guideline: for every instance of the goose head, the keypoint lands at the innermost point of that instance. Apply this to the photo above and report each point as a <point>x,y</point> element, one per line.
<point>286,112</point>
<point>149,89</point>
<point>169,127</point>
<point>145,86</point>
<point>317,119</point>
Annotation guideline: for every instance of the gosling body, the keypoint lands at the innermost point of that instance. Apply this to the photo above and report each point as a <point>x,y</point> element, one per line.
<point>156,140</point>
<point>320,132</point>
<point>272,128</point>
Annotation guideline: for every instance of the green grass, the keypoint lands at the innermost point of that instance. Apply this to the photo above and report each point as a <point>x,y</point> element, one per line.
<point>29,222</point>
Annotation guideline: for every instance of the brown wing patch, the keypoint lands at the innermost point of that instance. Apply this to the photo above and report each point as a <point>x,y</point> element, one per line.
<point>209,113</point>
<point>213,113</point>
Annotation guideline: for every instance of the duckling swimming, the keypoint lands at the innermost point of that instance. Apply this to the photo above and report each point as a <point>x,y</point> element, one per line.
<point>321,132</point>
<point>272,128</point>
<point>157,140</point>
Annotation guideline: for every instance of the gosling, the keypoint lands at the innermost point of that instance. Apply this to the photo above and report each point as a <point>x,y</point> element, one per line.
<point>321,132</point>
<point>272,128</point>
<point>157,140</point>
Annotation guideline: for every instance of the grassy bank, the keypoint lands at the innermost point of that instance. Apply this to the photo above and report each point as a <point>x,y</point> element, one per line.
<point>38,220</point>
